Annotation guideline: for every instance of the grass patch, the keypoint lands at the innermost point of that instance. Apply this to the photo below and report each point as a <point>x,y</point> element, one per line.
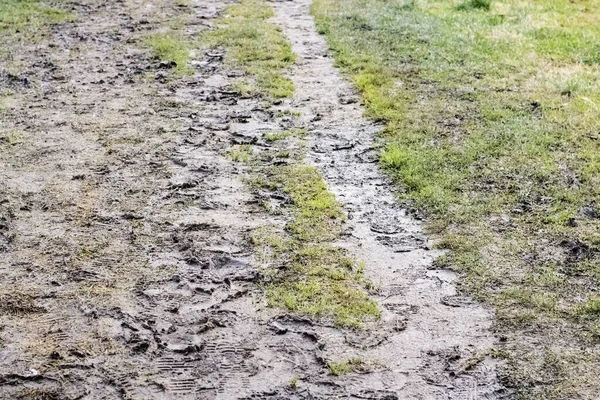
<point>590,310</point>
<point>346,366</point>
<point>492,130</point>
<point>294,383</point>
<point>256,45</point>
<point>275,136</point>
<point>475,5</point>
<point>306,274</point>
<point>351,364</point>
<point>171,49</point>
<point>322,281</point>
<point>240,153</point>
<point>29,16</point>
<point>319,217</point>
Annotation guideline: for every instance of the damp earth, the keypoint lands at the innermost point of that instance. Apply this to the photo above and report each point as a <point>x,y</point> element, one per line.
<point>127,217</point>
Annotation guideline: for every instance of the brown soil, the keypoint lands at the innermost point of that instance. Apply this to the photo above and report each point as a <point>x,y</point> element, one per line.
<point>126,266</point>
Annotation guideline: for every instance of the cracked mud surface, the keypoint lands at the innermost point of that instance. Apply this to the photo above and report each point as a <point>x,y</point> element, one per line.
<point>126,267</point>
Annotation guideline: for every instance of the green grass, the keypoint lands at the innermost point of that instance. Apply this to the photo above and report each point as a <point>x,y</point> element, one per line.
<point>475,4</point>
<point>307,274</point>
<point>345,367</point>
<point>275,136</point>
<point>491,113</point>
<point>240,153</point>
<point>319,216</point>
<point>171,48</point>
<point>29,16</point>
<point>321,280</point>
<point>258,46</point>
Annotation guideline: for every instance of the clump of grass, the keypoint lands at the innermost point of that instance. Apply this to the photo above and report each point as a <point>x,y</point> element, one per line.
<point>275,136</point>
<point>287,112</point>
<point>349,306</point>
<point>272,244</point>
<point>245,87</point>
<point>491,129</point>
<point>316,279</point>
<point>29,15</point>
<point>294,132</point>
<point>322,281</point>
<point>240,153</point>
<point>256,45</point>
<point>590,310</point>
<point>304,273</point>
<point>351,364</point>
<point>319,216</point>
<point>171,48</point>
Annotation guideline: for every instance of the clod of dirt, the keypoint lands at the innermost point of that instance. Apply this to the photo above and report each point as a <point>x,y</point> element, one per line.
<point>456,301</point>
<point>576,250</point>
<point>18,302</point>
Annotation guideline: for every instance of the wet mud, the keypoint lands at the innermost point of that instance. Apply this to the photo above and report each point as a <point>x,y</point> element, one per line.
<point>126,266</point>
<point>429,331</point>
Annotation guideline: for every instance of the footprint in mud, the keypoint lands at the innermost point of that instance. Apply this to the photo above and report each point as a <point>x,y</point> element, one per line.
<point>402,243</point>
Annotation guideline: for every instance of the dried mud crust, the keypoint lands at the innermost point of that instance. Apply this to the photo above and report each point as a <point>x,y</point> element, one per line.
<point>125,265</point>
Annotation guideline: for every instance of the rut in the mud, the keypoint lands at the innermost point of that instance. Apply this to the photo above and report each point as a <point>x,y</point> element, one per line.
<point>127,270</point>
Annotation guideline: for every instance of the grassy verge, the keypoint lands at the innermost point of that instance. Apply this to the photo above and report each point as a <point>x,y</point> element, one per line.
<point>491,112</point>
<point>256,45</point>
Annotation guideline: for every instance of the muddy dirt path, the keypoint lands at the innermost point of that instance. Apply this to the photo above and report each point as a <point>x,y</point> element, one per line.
<point>442,333</point>
<point>127,270</point>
